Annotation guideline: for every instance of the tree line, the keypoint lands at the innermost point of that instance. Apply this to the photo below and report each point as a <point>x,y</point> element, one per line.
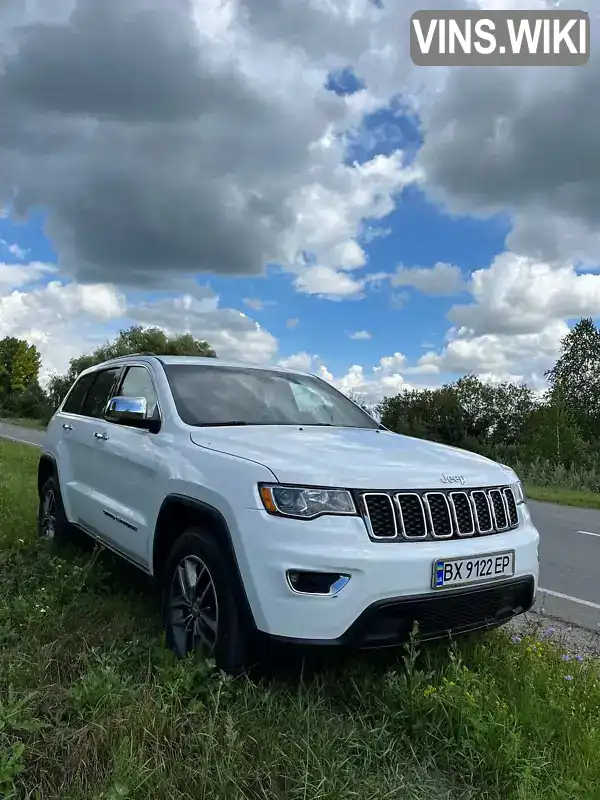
<point>21,394</point>
<point>510,422</point>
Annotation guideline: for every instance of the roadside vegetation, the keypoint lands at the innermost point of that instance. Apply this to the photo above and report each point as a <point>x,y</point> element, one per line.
<point>93,707</point>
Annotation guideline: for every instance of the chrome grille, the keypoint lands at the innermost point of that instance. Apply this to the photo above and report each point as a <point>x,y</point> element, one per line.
<point>440,517</point>
<point>380,515</point>
<point>463,513</point>
<point>498,510</point>
<point>482,511</point>
<point>511,507</point>
<point>413,523</point>
<point>423,515</point>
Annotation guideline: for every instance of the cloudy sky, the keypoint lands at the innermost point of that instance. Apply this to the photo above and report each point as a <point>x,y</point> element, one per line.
<point>278,178</point>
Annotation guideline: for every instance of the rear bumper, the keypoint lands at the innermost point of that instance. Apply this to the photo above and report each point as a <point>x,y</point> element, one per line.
<point>388,623</point>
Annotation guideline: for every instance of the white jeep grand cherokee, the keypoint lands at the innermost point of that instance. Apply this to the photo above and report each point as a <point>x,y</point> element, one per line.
<point>265,501</point>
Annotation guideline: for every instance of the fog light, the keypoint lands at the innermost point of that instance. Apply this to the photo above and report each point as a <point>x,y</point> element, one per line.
<point>319,583</point>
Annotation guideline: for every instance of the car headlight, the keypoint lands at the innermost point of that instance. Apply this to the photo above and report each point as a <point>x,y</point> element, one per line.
<point>519,492</point>
<point>305,503</point>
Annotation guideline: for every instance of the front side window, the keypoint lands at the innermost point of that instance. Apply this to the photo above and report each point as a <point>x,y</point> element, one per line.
<point>100,392</point>
<point>206,395</point>
<point>138,383</point>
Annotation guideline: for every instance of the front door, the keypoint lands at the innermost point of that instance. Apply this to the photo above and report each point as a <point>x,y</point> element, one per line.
<point>128,463</point>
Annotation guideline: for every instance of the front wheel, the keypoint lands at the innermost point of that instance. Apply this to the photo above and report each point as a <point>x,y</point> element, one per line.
<point>201,608</point>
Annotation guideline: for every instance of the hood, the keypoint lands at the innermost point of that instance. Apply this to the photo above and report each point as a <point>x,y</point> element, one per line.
<point>353,458</point>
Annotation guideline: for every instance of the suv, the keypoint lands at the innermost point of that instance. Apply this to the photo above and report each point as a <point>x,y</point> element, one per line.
<point>265,501</point>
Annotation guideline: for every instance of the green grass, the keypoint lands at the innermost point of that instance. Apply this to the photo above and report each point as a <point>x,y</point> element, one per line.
<point>25,422</point>
<point>566,497</point>
<point>92,705</point>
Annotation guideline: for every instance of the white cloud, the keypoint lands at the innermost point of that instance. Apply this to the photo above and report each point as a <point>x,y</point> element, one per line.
<point>360,335</point>
<point>385,379</point>
<point>238,129</point>
<point>68,320</point>
<point>62,320</point>
<point>441,279</point>
<point>14,276</point>
<point>256,304</point>
<point>232,334</point>
<point>329,217</point>
<point>520,295</point>
<point>523,357</point>
<point>505,141</point>
<point>329,283</point>
<point>303,362</point>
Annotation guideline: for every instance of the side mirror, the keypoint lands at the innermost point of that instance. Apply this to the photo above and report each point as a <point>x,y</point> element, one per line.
<point>130,411</point>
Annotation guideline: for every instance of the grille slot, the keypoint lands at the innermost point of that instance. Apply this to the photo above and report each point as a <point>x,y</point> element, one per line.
<point>498,509</point>
<point>380,515</point>
<point>463,513</point>
<point>413,523</point>
<point>511,507</point>
<point>483,512</point>
<point>439,515</point>
<point>421,515</point>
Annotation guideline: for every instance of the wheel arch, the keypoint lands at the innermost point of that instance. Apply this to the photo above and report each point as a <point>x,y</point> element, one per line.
<point>178,512</point>
<point>47,467</point>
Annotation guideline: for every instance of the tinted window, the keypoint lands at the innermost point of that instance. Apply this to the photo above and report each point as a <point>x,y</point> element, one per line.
<point>138,383</point>
<point>206,395</point>
<point>77,394</point>
<point>100,392</point>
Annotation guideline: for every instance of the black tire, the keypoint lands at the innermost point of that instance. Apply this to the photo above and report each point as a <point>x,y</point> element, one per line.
<point>202,608</point>
<point>52,520</point>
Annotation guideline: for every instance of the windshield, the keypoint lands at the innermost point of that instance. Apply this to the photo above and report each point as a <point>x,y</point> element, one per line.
<point>206,395</point>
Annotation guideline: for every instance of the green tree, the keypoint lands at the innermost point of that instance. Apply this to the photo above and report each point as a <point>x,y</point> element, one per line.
<point>429,414</point>
<point>551,433</point>
<point>136,339</point>
<point>575,378</point>
<point>19,365</point>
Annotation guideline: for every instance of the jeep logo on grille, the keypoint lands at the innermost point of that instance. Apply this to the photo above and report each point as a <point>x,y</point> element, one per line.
<point>453,479</point>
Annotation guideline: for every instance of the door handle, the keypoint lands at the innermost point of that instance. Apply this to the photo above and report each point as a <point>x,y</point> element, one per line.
<point>67,427</point>
<point>102,436</point>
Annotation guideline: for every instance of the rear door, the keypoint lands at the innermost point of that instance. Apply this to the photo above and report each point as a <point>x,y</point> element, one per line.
<point>87,459</point>
<point>61,433</point>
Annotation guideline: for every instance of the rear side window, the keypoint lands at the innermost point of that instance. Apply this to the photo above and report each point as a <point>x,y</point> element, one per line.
<point>78,393</point>
<point>100,392</point>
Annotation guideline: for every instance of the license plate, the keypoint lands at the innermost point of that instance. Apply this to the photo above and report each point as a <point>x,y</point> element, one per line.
<point>475,569</point>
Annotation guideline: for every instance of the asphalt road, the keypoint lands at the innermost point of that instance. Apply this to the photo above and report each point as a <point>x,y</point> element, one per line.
<point>569,552</point>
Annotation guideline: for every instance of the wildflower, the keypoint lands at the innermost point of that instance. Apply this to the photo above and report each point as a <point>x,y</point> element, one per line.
<point>549,631</point>
<point>579,658</point>
<point>516,639</point>
<point>566,657</point>
<point>568,677</point>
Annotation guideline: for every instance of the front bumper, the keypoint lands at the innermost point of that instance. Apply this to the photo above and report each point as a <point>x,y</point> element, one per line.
<point>390,582</point>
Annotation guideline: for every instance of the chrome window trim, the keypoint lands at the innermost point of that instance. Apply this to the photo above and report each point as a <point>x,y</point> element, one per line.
<point>126,368</point>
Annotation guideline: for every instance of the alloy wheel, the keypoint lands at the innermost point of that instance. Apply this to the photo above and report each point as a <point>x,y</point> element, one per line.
<point>48,522</point>
<point>194,608</point>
